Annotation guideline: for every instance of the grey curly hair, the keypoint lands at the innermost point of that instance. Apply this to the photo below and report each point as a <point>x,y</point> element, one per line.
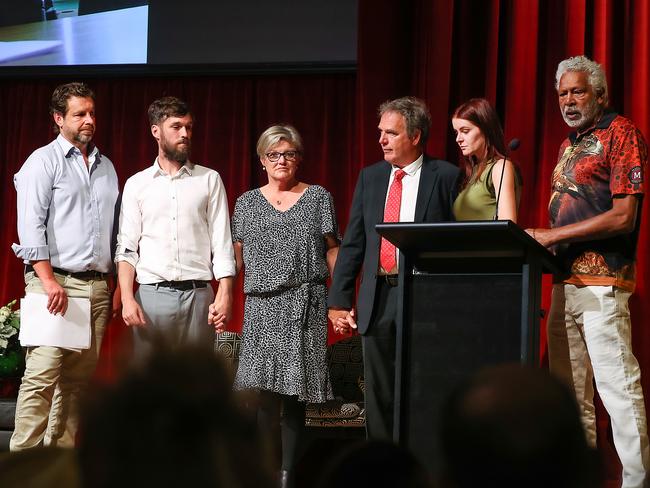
<point>597,78</point>
<point>415,113</point>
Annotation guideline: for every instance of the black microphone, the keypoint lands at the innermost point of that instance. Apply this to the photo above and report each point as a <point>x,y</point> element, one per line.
<point>512,146</point>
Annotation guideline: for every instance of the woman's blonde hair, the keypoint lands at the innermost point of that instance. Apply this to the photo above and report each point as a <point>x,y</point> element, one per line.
<point>276,133</point>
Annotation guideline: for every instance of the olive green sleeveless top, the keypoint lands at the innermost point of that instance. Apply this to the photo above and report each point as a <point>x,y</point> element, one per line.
<point>478,200</point>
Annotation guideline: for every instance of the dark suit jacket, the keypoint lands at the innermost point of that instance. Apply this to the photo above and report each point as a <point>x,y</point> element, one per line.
<point>360,247</point>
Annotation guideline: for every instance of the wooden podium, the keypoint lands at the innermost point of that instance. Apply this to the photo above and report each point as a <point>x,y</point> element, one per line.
<point>470,296</point>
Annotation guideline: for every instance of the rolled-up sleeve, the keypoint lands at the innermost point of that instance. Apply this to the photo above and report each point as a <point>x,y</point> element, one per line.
<point>223,256</point>
<point>34,183</point>
<point>130,226</point>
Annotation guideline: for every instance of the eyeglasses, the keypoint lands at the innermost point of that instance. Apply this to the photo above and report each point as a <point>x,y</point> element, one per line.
<point>274,156</point>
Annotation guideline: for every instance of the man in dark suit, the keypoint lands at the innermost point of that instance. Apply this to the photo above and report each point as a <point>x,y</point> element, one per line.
<point>406,186</point>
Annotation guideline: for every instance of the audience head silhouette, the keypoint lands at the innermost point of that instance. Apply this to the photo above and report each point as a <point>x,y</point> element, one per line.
<point>511,426</point>
<point>172,421</point>
<point>376,464</point>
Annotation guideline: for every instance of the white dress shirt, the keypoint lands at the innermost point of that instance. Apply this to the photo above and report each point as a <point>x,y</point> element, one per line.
<point>65,209</point>
<point>410,185</point>
<point>176,228</point>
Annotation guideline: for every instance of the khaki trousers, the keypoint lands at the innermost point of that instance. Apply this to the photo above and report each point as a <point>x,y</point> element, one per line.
<point>48,399</point>
<point>589,338</point>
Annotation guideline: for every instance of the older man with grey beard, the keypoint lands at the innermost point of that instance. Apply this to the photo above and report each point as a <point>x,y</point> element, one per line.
<point>595,207</point>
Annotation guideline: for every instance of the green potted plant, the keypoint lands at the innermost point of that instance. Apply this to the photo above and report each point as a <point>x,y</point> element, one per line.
<point>12,357</point>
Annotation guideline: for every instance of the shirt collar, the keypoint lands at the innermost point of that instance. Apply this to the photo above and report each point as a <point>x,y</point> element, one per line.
<point>69,148</point>
<point>186,168</point>
<point>603,123</point>
<point>411,169</point>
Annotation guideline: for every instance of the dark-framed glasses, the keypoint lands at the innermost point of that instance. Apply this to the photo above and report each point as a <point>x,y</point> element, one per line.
<point>274,156</point>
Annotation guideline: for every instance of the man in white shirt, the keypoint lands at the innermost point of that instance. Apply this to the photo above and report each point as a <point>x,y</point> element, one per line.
<point>175,237</point>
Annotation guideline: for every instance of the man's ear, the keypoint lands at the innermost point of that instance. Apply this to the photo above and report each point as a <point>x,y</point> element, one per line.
<point>155,132</point>
<point>58,119</point>
<point>416,140</point>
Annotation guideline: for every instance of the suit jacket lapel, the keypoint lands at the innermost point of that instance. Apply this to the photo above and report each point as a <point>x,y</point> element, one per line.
<point>427,182</point>
<point>378,198</point>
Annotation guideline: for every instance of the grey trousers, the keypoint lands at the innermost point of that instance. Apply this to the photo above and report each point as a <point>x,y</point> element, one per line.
<point>173,316</point>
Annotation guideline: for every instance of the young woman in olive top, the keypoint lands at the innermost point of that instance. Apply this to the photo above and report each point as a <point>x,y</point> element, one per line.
<point>480,139</point>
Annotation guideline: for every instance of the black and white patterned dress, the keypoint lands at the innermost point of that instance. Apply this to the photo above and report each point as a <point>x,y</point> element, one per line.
<point>284,338</point>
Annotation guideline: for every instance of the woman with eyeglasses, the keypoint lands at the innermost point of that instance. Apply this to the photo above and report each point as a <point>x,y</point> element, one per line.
<point>488,174</point>
<point>286,238</point>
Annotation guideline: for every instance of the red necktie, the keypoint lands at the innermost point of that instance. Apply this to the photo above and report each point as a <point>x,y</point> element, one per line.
<point>391,214</point>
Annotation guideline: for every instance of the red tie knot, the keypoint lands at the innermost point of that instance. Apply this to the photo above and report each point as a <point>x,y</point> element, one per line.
<point>399,174</point>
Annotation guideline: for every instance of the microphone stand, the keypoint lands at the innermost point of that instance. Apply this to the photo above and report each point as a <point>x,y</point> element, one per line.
<point>512,146</point>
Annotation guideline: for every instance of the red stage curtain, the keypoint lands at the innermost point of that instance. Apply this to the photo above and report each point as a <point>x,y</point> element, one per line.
<point>229,112</point>
<point>447,51</point>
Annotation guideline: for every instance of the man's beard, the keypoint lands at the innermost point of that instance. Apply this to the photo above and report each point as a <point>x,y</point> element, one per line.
<point>84,137</point>
<point>174,153</point>
<point>587,116</point>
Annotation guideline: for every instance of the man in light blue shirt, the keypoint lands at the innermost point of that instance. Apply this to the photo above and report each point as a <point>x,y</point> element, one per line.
<point>67,192</point>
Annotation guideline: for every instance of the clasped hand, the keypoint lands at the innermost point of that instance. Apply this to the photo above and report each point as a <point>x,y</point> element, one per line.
<point>343,321</point>
<point>218,315</point>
